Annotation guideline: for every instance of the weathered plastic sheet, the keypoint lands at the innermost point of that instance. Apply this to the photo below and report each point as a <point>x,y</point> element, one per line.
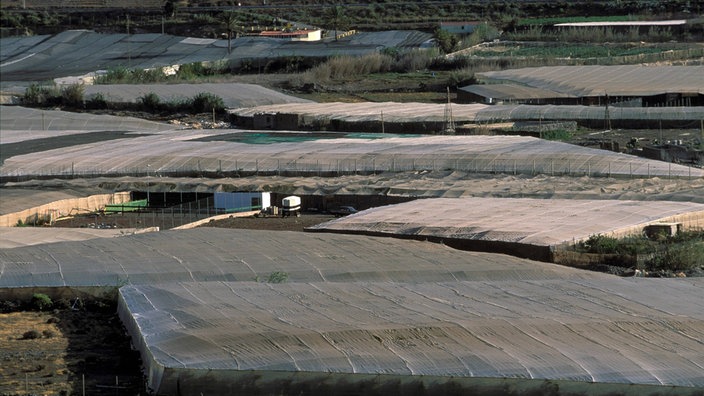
<point>212,254</point>
<point>11,237</point>
<point>79,52</point>
<point>542,222</point>
<point>587,113</point>
<point>234,95</point>
<point>369,111</point>
<point>596,329</point>
<point>23,123</point>
<point>623,80</point>
<point>187,151</point>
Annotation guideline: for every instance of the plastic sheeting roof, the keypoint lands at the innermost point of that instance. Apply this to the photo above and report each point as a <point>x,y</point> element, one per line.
<point>627,80</point>
<point>172,151</point>
<point>233,95</point>
<point>78,52</point>
<point>673,22</point>
<point>472,113</point>
<point>588,113</point>
<point>371,111</point>
<point>544,222</point>
<point>22,123</point>
<point>511,91</point>
<point>211,254</point>
<point>11,237</point>
<point>593,329</point>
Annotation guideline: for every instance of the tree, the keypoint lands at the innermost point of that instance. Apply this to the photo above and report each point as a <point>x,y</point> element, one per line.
<point>229,21</point>
<point>336,16</point>
<point>446,40</point>
<point>169,8</point>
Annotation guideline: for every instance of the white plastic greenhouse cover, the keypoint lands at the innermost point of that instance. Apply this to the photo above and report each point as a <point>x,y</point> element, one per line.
<point>595,328</point>
<point>78,52</point>
<point>212,254</point>
<point>587,113</point>
<point>11,237</point>
<point>471,113</point>
<point>186,151</point>
<point>542,222</point>
<point>22,123</point>
<point>234,95</point>
<point>371,111</point>
<point>624,80</point>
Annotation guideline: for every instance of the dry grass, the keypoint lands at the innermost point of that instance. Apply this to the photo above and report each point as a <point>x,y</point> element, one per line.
<point>73,346</point>
<point>32,366</point>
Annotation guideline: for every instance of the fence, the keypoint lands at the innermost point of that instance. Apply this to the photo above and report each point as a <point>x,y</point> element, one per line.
<point>550,164</point>
<point>29,384</point>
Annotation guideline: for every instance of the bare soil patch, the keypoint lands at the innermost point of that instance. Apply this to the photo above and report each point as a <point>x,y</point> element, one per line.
<point>274,223</point>
<point>74,350</point>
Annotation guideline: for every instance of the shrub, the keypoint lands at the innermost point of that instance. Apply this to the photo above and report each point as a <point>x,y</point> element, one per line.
<point>141,76</point>
<point>205,102</point>
<point>557,134</point>
<point>41,302</point>
<point>678,257</point>
<point>149,102</point>
<point>48,333</point>
<point>31,335</point>
<point>97,101</point>
<point>277,277</point>
<point>113,76</point>
<point>72,95</point>
<point>446,41</point>
<point>414,60</point>
<point>601,244</point>
<point>191,70</point>
<point>37,95</point>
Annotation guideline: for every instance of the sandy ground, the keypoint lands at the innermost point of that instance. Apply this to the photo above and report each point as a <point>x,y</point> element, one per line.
<point>75,350</point>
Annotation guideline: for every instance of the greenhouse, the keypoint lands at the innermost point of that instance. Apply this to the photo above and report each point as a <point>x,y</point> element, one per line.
<point>205,315</point>
<point>220,152</point>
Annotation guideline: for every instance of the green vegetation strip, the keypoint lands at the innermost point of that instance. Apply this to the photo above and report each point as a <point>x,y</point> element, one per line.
<point>681,252</point>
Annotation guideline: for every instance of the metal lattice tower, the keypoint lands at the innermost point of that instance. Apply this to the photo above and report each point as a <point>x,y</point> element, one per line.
<point>449,122</point>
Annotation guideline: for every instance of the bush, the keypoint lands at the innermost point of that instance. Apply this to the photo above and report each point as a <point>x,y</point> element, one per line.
<point>277,277</point>
<point>72,95</point>
<point>97,101</point>
<point>41,302</point>
<point>31,335</point>
<point>557,134</point>
<point>149,102</point>
<point>36,95</point>
<point>48,334</point>
<point>113,76</point>
<point>678,257</point>
<point>205,102</point>
<point>461,78</point>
